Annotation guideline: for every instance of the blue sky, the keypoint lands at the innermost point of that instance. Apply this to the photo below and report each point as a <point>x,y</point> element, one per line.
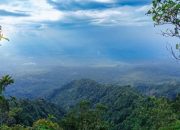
<point>78,32</point>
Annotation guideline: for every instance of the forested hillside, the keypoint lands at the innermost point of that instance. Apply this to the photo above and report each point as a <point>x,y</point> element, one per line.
<point>117,97</point>
<point>87,104</point>
<point>127,108</point>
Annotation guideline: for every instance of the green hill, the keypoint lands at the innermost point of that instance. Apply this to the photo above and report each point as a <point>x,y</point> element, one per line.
<point>26,111</point>
<point>89,104</point>
<point>120,100</point>
<point>127,109</point>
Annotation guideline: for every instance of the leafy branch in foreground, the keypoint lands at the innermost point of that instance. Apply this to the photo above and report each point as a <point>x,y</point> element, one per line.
<point>167,12</point>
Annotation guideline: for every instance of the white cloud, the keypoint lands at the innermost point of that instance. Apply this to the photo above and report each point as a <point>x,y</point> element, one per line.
<point>100,1</point>
<point>30,64</point>
<point>37,11</point>
<point>41,12</point>
<point>84,1</point>
<point>126,15</point>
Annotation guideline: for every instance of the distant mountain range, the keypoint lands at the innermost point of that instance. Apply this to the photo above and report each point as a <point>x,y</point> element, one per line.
<point>152,79</point>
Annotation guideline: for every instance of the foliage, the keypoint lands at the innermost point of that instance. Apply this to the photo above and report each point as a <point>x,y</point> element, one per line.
<point>16,127</point>
<point>83,117</point>
<point>151,114</point>
<point>4,104</point>
<point>124,108</point>
<point>127,109</point>
<point>173,126</point>
<point>38,109</point>
<point>167,12</point>
<point>44,124</point>
<point>120,100</point>
<point>4,82</point>
<point>25,112</point>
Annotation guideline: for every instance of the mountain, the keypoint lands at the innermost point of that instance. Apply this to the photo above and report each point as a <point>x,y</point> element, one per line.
<point>120,100</point>
<point>169,89</point>
<point>126,107</point>
<point>113,106</point>
<point>86,89</point>
<point>146,78</point>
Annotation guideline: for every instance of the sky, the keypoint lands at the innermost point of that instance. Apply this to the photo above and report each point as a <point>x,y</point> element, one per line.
<point>48,33</point>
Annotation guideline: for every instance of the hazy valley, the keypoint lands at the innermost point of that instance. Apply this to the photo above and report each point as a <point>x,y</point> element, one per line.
<point>152,79</point>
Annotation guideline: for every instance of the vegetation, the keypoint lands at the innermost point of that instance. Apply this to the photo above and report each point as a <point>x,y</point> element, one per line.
<point>83,117</point>
<point>167,12</point>
<point>91,106</point>
<point>151,114</point>
<point>126,108</point>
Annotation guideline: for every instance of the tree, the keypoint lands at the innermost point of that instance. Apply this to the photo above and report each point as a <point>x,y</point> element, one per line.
<point>45,124</point>
<point>173,126</point>
<point>151,114</point>
<point>83,117</point>
<point>167,12</point>
<point>4,82</point>
<point>4,105</point>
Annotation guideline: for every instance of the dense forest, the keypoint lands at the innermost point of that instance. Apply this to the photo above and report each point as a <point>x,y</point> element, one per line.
<point>88,105</point>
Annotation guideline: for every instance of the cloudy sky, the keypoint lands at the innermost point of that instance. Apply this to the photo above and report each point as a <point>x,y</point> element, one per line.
<point>78,32</point>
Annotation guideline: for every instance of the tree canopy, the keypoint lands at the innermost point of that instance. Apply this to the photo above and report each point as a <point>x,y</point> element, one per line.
<point>167,12</point>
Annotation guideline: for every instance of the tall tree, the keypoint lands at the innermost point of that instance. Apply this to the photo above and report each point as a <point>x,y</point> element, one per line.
<point>4,105</point>
<point>4,82</point>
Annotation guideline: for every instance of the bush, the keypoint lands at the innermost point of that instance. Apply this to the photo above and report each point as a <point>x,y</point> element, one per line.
<point>16,127</point>
<point>44,124</point>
